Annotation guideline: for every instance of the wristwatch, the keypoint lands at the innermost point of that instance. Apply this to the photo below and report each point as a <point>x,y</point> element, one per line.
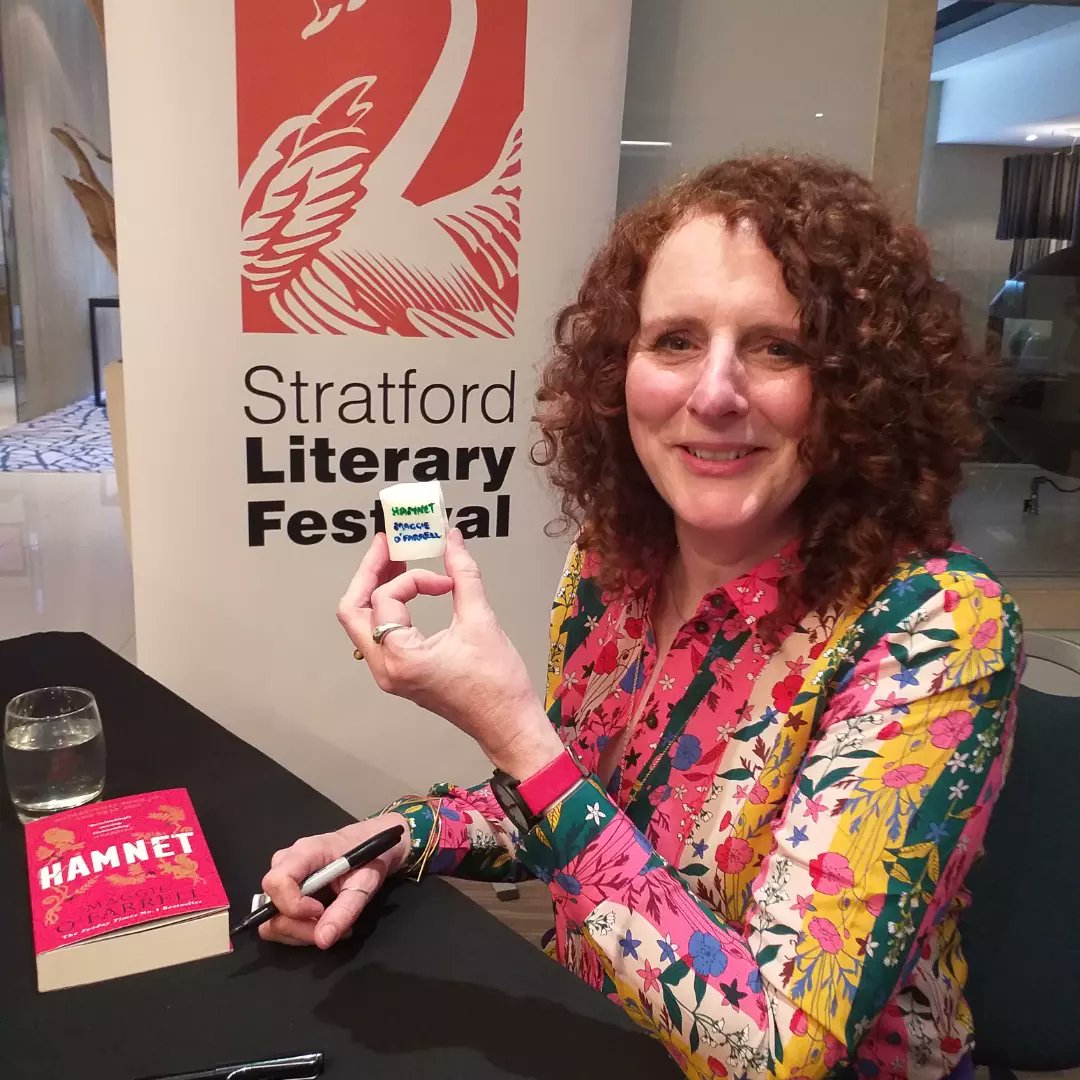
<point>524,801</point>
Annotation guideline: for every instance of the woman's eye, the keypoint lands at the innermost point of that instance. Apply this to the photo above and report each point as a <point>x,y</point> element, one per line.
<point>673,342</point>
<point>781,350</point>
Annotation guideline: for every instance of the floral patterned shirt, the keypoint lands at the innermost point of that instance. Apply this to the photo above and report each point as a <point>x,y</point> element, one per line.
<point>771,881</point>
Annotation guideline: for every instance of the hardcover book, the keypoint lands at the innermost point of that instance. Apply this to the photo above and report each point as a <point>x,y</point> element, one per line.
<point>120,887</point>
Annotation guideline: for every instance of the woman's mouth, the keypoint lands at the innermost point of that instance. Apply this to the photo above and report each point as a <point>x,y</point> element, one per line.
<point>719,455</point>
<point>719,460</point>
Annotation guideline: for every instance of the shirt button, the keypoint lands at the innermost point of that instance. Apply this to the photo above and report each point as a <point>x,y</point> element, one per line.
<point>717,601</point>
<point>701,627</point>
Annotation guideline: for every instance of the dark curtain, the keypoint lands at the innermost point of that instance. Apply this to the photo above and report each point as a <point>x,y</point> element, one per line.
<point>1040,200</point>
<point>1026,253</point>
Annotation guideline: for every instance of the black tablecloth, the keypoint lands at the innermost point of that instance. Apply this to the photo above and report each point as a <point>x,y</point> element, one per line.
<point>430,985</point>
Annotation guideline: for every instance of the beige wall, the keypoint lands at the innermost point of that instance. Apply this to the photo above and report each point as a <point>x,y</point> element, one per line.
<point>54,73</point>
<point>959,198</point>
<point>958,209</point>
<point>719,79</point>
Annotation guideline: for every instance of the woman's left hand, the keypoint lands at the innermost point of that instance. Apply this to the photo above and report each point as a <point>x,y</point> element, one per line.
<point>469,673</point>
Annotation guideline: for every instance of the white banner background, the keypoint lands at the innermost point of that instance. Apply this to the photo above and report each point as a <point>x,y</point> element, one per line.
<point>248,634</point>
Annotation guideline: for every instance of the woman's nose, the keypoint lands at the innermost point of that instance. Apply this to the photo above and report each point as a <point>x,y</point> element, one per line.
<point>720,388</point>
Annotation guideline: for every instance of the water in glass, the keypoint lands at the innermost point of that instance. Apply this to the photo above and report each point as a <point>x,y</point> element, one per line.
<point>54,750</point>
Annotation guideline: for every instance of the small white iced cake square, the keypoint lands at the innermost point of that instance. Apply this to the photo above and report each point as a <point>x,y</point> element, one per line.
<point>415,519</point>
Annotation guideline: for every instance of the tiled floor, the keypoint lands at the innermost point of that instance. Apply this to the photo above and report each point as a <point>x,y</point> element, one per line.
<point>64,564</point>
<point>991,521</point>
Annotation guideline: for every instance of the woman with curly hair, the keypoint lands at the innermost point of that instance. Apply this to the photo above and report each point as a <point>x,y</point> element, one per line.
<point>780,700</point>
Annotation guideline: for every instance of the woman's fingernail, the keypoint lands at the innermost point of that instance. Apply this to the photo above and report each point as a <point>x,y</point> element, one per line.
<point>327,936</point>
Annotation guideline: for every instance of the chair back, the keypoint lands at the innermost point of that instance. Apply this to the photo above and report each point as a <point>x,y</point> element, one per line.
<point>1021,935</point>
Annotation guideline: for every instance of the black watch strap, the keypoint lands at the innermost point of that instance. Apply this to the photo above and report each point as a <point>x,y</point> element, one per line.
<point>505,789</point>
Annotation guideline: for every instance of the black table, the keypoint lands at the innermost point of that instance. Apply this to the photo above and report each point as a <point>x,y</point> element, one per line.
<point>430,985</point>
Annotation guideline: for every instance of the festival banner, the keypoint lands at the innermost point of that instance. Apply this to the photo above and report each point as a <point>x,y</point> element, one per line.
<point>344,227</point>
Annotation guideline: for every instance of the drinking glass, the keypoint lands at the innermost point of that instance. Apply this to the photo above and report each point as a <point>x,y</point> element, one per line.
<point>54,750</point>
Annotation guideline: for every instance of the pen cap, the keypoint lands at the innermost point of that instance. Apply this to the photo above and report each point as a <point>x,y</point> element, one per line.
<point>299,1067</point>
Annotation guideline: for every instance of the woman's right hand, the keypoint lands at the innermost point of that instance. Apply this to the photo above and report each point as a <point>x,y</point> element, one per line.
<point>302,919</point>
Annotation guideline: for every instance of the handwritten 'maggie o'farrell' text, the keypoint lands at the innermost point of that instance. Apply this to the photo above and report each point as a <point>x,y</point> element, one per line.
<point>161,847</point>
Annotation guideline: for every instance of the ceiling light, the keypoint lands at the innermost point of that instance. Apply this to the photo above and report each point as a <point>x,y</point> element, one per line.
<point>1030,138</point>
<point>818,115</point>
<point>643,142</point>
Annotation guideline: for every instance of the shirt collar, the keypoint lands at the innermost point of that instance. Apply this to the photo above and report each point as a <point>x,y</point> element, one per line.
<point>754,594</point>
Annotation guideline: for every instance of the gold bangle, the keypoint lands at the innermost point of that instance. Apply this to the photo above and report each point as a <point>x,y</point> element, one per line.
<point>417,862</point>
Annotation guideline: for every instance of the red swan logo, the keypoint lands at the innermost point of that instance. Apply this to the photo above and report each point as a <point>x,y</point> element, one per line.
<point>380,159</point>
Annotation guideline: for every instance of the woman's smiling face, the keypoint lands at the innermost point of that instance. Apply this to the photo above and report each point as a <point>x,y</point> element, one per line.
<point>718,395</point>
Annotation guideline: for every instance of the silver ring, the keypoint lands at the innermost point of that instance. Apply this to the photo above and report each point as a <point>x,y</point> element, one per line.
<point>353,888</point>
<point>385,628</point>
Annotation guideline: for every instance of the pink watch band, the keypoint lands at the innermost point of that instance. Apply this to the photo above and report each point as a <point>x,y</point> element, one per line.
<point>551,783</point>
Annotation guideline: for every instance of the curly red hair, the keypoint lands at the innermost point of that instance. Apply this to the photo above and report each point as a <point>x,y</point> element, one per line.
<point>895,382</point>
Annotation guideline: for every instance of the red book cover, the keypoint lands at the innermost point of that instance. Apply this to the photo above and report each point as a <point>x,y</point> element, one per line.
<point>112,866</point>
